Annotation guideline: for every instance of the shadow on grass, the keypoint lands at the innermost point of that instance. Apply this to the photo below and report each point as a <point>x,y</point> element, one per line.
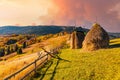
<point>114,46</point>
<point>54,71</point>
<point>55,68</point>
<point>43,70</point>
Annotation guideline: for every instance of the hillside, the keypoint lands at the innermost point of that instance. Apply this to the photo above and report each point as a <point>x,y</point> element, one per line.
<point>39,30</point>
<point>30,54</point>
<point>30,30</point>
<point>102,64</point>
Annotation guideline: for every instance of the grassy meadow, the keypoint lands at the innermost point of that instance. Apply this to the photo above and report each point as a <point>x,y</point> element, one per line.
<point>103,64</point>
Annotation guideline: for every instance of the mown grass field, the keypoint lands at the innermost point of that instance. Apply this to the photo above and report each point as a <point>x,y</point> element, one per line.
<point>77,64</point>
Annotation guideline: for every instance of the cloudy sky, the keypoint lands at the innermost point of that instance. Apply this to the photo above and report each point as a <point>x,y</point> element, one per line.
<point>61,12</point>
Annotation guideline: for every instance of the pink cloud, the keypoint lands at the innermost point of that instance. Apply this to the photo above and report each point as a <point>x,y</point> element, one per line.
<point>85,13</point>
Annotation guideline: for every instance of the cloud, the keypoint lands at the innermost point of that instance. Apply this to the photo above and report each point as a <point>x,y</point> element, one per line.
<point>23,12</point>
<point>84,12</point>
<point>61,12</point>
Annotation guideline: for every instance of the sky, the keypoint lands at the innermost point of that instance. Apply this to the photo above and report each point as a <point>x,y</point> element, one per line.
<point>61,12</point>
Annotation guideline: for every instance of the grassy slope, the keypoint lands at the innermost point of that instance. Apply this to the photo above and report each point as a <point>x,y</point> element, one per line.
<point>102,64</point>
<point>13,64</point>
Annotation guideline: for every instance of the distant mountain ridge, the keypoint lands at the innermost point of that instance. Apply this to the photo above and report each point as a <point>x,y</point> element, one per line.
<point>39,30</point>
<point>114,35</point>
<point>42,30</point>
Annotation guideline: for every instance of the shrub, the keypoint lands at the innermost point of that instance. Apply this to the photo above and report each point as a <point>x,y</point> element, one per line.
<point>2,52</point>
<point>15,47</point>
<point>24,45</point>
<point>8,50</point>
<point>19,51</point>
<point>11,41</point>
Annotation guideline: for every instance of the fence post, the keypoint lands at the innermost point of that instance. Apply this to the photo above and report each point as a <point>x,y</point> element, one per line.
<point>35,65</point>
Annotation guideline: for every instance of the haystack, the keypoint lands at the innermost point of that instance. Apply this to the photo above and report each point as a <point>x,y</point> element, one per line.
<point>77,38</point>
<point>96,38</point>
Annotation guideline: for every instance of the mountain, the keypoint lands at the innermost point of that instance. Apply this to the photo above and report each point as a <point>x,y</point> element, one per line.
<point>42,30</point>
<point>114,35</point>
<point>39,30</point>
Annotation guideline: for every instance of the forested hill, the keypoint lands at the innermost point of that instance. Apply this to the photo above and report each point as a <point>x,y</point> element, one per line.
<point>39,30</point>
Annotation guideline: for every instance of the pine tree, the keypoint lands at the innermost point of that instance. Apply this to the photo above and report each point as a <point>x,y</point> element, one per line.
<point>19,51</point>
<point>16,47</point>
<point>8,50</point>
<point>2,52</point>
<point>11,49</point>
<point>24,45</point>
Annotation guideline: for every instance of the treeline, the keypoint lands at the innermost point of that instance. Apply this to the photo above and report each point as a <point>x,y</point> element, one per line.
<point>15,43</point>
<point>11,49</point>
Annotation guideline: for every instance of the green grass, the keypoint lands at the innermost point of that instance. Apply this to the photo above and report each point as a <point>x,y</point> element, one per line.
<point>102,64</point>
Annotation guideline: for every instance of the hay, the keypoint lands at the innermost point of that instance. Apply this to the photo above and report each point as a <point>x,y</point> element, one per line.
<point>72,40</point>
<point>77,38</point>
<point>96,38</point>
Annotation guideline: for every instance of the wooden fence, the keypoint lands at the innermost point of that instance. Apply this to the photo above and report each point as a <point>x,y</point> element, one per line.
<point>37,63</point>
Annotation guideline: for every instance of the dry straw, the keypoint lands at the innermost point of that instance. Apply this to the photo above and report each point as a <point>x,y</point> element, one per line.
<point>77,38</point>
<point>96,38</point>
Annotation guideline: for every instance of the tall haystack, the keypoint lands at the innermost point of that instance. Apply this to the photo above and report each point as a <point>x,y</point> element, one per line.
<point>77,38</point>
<point>96,38</point>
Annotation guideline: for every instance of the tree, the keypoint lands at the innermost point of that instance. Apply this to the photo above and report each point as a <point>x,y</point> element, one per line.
<point>11,41</point>
<point>2,52</point>
<point>8,50</point>
<point>16,47</point>
<point>19,51</point>
<point>24,45</point>
<point>11,49</point>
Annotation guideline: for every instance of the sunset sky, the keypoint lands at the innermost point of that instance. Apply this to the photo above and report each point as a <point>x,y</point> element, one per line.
<point>61,12</point>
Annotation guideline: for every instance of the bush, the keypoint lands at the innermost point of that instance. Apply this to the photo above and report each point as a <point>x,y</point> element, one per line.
<point>15,47</point>
<point>8,50</point>
<point>2,52</point>
<point>24,45</point>
<point>11,41</point>
<point>19,51</point>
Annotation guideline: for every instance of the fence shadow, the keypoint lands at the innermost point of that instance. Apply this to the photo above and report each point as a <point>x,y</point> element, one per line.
<point>43,70</point>
<point>54,71</point>
<point>55,68</point>
<point>42,73</point>
<point>114,46</point>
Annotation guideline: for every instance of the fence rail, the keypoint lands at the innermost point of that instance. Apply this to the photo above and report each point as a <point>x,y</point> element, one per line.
<point>27,66</point>
<point>40,57</point>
